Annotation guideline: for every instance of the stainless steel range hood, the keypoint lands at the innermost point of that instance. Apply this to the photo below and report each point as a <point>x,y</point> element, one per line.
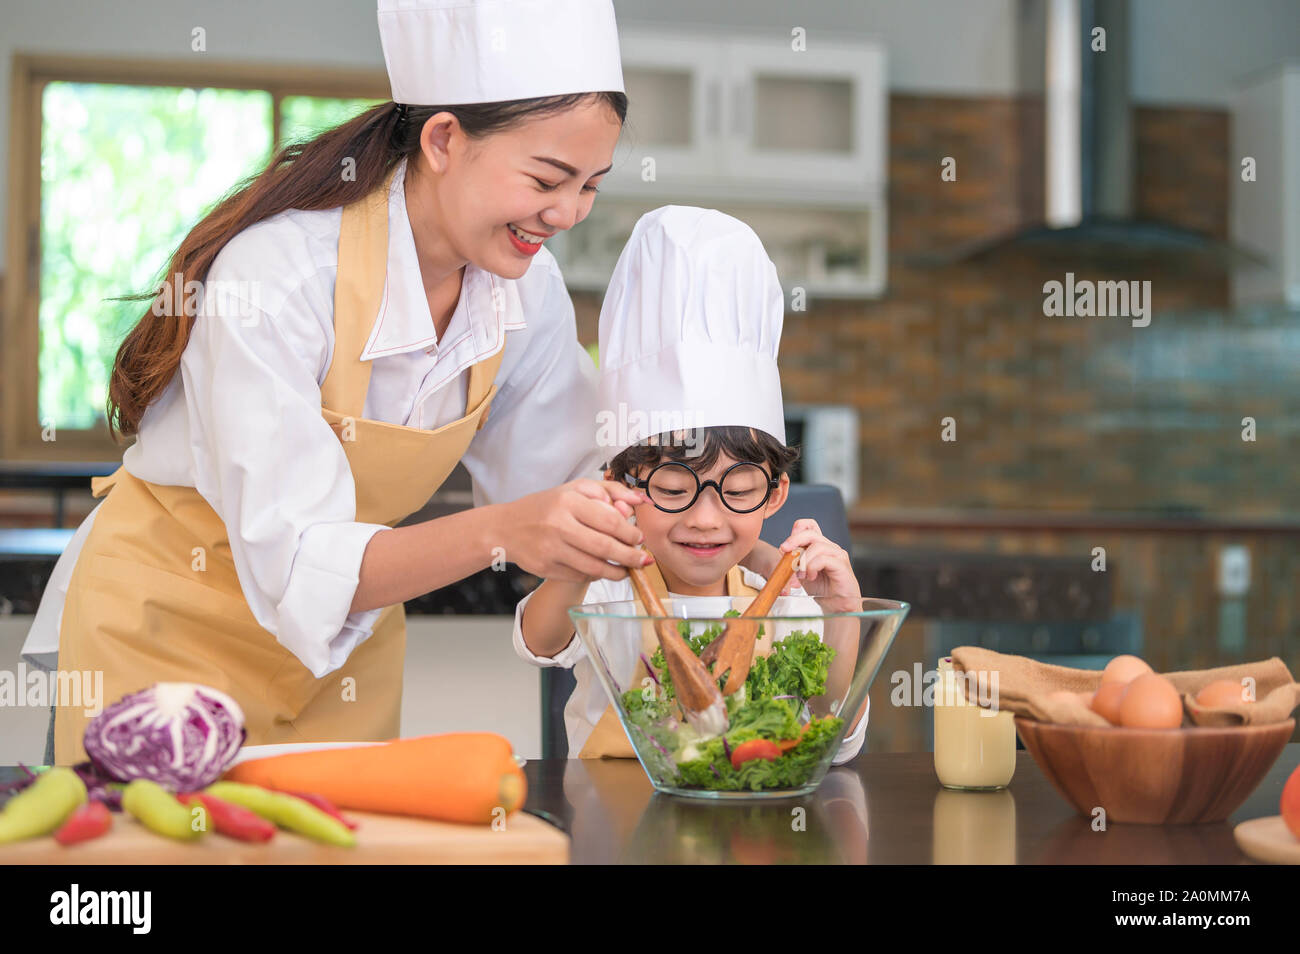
<point>1089,175</point>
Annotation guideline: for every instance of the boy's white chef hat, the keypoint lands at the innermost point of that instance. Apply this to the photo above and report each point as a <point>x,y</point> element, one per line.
<point>445,52</point>
<point>689,330</point>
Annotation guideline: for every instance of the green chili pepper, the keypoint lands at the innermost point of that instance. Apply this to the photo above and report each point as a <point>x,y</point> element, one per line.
<point>43,806</point>
<point>286,811</point>
<point>158,809</point>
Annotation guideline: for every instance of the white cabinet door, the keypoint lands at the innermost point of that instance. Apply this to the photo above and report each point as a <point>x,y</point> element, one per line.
<point>814,118</point>
<point>675,86</point>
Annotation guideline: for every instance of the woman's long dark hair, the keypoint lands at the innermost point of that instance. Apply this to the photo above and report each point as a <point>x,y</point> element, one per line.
<point>302,175</point>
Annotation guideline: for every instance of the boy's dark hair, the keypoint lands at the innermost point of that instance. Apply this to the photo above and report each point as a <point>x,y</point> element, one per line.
<point>700,448</point>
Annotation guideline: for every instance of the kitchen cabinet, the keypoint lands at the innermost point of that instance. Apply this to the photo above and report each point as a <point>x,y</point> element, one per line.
<point>736,112</point>
<point>674,92</point>
<point>793,142</point>
<point>817,115</point>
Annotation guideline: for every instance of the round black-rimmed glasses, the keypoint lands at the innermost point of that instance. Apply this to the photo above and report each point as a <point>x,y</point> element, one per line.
<point>673,487</point>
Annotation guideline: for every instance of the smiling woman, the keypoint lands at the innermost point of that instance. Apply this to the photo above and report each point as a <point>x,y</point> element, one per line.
<point>491,187</point>
<point>364,303</point>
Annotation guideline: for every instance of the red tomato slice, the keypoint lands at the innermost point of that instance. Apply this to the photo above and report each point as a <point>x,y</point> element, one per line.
<point>754,749</point>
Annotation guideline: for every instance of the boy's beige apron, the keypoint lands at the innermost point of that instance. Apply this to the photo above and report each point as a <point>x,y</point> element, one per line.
<point>155,597</point>
<point>608,740</point>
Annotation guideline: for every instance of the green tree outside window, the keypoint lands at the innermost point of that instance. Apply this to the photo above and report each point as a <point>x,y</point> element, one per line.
<point>126,172</point>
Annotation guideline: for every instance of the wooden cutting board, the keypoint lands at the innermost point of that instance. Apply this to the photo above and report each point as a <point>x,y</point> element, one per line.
<point>1268,840</point>
<point>381,840</point>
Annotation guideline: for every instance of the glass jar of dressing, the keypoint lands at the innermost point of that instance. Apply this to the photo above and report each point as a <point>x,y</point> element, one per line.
<point>974,747</point>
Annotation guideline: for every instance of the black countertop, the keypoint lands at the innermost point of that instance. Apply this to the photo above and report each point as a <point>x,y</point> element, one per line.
<point>881,808</point>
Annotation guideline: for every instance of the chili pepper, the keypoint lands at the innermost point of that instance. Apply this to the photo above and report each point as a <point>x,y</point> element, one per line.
<point>231,820</point>
<point>43,806</point>
<point>286,811</point>
<point>158,809</point>
<point>89,821</point>
<point>325,805</point>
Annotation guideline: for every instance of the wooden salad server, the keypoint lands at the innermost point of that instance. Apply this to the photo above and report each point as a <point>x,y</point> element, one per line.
<point>696,690</point>
<point>734,649</point>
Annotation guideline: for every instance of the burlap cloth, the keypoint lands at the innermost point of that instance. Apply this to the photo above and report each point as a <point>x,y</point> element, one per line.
<point>1029,688</point>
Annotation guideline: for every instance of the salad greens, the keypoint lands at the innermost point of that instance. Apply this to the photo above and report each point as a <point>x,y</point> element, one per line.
<point>770,706</point>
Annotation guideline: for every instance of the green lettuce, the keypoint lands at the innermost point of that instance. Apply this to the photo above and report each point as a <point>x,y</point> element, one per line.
<point>767,706</point>
<point>798,666</point>
<point>712,769</point>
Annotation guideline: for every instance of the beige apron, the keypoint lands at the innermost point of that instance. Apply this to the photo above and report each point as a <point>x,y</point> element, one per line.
<point>145,604</point>
<point>608,740</point>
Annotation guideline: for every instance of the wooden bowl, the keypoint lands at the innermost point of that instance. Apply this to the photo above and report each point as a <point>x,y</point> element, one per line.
<point>1155,776</point>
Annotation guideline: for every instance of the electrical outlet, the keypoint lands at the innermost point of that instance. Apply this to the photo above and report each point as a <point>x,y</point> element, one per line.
<point>1234,571</point>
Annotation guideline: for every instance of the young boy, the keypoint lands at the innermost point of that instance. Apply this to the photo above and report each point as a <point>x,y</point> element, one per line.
<point>689,331</point>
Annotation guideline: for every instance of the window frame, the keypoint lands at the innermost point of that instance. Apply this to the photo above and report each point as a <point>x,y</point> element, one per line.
<point>20,430</point>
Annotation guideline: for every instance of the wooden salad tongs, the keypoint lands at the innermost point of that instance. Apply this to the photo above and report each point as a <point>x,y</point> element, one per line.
<point>696,690</point>
<point>734,649</point>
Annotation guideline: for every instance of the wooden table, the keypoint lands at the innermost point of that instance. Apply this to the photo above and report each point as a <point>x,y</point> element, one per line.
<point>879,809</point>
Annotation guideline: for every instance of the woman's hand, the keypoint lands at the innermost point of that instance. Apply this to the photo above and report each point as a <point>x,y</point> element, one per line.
<point>825,569</point>
<point>570,532</point>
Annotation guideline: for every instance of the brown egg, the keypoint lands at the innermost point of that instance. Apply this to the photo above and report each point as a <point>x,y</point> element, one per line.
<point>1151,702</point>
<point>1123,669</point>
<point>1106,701</point>
<point>1222,692</point>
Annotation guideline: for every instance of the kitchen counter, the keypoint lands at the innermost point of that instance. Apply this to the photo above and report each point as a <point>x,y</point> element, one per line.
<point>882,808</point>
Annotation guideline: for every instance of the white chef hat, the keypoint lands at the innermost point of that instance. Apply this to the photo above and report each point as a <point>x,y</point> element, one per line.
<point>445,52</point>
<point>689,330</point>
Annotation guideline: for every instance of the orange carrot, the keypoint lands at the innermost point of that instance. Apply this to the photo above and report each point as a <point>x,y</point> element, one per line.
<point>456,777</point>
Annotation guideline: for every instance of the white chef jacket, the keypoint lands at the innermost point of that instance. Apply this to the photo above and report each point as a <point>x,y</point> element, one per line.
<point>242,423</point>
<point>589,699</point>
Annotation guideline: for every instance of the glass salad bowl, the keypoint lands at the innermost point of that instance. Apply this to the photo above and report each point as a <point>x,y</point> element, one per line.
<point>806,691</point>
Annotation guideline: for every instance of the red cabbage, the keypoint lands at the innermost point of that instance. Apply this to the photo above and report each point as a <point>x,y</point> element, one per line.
<point>178,734</point>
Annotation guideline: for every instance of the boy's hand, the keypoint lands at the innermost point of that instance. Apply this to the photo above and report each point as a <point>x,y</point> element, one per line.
<point>825,569</point>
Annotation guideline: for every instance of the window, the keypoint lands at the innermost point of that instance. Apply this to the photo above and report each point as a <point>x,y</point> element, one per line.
<point>119,167</point>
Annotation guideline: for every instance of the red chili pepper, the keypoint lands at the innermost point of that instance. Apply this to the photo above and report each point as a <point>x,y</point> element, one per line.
<point>89,821</point>
<point>233,821</point>
<point>754,749</point>
<point>324,804</point>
